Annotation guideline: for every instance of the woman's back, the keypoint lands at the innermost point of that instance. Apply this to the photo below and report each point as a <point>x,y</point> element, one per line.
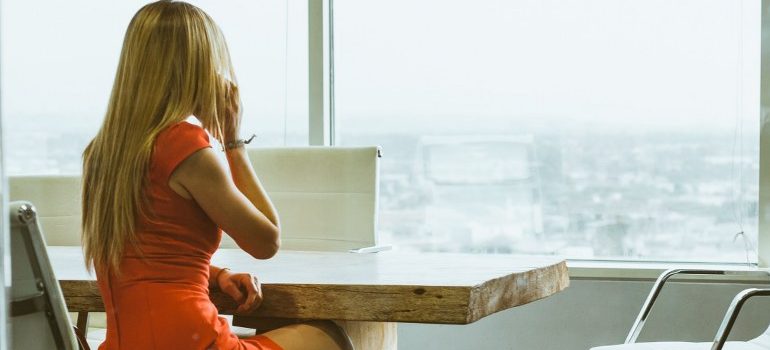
<point>177,237</point>
<point>159,299</point>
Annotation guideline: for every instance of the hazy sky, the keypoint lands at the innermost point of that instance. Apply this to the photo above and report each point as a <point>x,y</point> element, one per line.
<point>59,57</point>
<point>424,64</point>
<point>621,61</point>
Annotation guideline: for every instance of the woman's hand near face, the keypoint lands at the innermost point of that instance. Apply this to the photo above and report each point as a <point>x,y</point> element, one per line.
<point>243,288</point>
<point>233,113</point>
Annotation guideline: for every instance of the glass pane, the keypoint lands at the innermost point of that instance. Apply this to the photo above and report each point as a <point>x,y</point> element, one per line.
<point>59,60</point>
<point>599,129</point>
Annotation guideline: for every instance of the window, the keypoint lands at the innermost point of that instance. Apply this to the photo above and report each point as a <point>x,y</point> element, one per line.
<point>60,59</point>
<point>597,129</point>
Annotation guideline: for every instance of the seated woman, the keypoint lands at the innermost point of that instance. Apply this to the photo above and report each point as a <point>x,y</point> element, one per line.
<point>156,198</point>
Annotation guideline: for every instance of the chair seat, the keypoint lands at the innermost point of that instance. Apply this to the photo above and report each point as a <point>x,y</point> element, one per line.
<point>683,346</point>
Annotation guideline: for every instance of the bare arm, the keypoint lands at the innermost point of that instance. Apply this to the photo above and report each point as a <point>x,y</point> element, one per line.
<point>240,167</point>
<point>248,183</point>
<point>238,204</point>
<point>239,212</point>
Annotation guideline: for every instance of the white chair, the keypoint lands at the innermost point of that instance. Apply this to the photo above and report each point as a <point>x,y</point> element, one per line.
<point>720,340</point>
<point>58,202</point>
<point>39,317</point>
<point>326,196</point>
<point>57,199</point>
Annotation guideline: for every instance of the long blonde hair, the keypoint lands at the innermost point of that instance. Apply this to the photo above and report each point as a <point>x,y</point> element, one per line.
<point>174,63</point>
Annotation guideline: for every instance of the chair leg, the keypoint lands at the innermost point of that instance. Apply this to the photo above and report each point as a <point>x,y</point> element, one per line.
<point>82,323</point>
<point>82,342</point>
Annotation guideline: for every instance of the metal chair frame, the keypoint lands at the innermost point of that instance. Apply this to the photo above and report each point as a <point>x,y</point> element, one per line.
<point>732,312</point>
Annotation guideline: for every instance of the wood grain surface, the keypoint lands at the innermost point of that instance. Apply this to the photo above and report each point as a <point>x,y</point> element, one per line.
<point>381,287</point>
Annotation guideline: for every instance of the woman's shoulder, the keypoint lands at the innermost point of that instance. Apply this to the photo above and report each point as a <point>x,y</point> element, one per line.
<point>175,143</point>
<point>180,132</point>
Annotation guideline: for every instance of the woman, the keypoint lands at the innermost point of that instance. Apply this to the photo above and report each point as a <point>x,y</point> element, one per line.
<point>155,195</point>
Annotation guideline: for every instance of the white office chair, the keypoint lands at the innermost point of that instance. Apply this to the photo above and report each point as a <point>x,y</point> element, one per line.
<point>326,196</point>
<point>39,317</point>
<point>720,340</point>
<point>58,202</point>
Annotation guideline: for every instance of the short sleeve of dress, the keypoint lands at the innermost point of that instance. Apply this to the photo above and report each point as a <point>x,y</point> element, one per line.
<point>173,145</point>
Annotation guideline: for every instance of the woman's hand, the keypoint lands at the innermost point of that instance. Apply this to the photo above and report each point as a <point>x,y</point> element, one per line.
<point>243,288</point>
<point>232,120</point>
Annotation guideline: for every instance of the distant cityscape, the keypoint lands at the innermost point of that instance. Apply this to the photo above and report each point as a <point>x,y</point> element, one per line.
<point>590,195</point>
<point>627,194</point>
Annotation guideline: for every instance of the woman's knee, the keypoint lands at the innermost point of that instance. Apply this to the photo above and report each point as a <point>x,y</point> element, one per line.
<point>315,335</point>
<point>335,332</point>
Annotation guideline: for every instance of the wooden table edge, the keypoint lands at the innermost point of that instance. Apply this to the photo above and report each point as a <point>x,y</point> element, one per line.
<point>519,289</point>
<point>492,296</point>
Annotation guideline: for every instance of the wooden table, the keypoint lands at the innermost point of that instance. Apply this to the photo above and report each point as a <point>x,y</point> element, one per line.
<point>366,293</point>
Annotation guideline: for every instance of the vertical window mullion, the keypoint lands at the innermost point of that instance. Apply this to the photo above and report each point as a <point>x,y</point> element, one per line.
<point>764,142</point>
<point>5,241</point>
<point>319,73</point>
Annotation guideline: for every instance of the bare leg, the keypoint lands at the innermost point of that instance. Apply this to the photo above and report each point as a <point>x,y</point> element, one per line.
<point>315,335</point>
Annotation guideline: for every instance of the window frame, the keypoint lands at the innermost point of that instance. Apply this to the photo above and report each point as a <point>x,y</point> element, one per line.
<point>763,228</point>
<point>320,73</point>
<point>5,241</point>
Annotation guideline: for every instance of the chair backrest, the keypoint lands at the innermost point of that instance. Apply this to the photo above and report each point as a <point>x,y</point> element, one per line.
<point>39,317</point>
<point>326,196</point>
<point>58,202</point>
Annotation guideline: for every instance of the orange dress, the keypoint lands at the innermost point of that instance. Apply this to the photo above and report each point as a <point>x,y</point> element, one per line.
<point>160,298</point>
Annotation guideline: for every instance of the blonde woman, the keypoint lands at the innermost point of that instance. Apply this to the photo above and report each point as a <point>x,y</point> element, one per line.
<point>155,195</point>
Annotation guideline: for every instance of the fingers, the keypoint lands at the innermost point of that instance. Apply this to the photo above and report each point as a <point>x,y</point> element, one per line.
<point>231,92</point>
<point>253,290</point>
<point>232,112</point>
<point>234,90</point>
<point>235,100</point>
<point>245,289</point>
<point>230,288</point>
<point>259,297</point>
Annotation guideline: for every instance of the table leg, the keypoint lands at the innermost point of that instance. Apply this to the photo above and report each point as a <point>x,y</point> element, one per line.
<point>371,335</point>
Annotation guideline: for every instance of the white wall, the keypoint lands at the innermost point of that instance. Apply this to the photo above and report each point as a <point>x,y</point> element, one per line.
<point>591,313</point>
